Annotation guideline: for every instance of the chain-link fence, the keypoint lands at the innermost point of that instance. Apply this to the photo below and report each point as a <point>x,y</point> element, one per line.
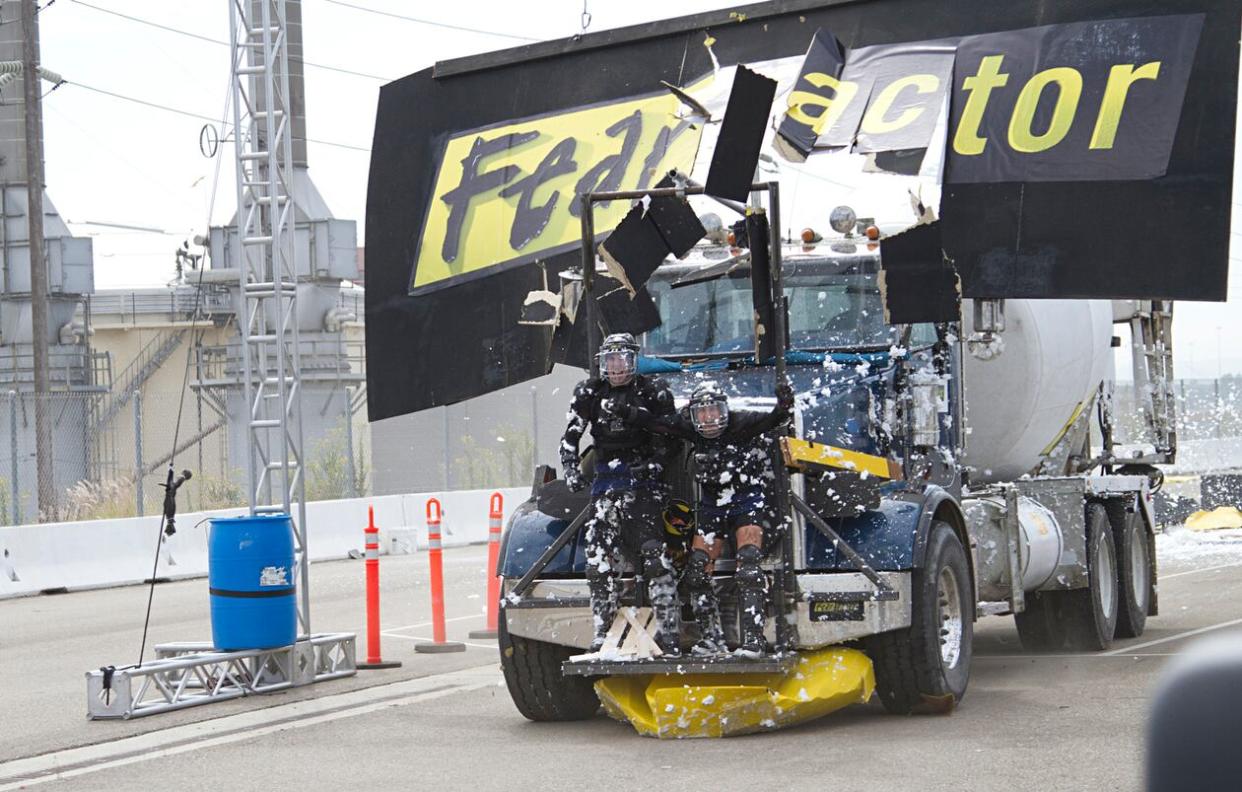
<point>497,439</point>
<point>110,452</point>
<point>490,441</point>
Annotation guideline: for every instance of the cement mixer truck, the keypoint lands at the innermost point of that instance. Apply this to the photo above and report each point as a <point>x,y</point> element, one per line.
<point>948,458</point>
<point>935,474</point>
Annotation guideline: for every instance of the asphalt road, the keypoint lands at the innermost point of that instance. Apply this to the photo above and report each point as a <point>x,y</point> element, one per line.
<point>1039,722</point>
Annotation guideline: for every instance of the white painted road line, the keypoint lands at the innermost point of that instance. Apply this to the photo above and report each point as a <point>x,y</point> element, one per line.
<point>1174,637</point>
<point>428,624</point>
<point>72,762</point>
<point>1083,655</point>
<point>1197,571</point>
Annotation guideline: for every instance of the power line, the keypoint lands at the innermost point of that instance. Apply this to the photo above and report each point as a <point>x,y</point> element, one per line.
<point>430,22</point>
<point>124,227</point>
<point>222,42</point>
<point>191,114</point>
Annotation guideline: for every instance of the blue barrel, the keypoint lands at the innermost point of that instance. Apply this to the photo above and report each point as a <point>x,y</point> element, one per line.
<point>250,574</point>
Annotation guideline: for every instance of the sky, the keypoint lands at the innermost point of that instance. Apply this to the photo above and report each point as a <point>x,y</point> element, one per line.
<point>119,161</point>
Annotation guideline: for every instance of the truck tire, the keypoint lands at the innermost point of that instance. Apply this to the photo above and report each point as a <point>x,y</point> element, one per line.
<point>1133,576</point>
<point>925,667</point>
<point>533,675</point>
<point>1090,614</point>
<point>1039,626</point>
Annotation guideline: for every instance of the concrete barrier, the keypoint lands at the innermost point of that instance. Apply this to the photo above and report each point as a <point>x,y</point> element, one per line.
<point>99,553</point>
<point>1202,456</point>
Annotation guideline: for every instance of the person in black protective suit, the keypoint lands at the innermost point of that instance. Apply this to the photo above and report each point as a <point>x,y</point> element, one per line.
<point>733,471</point>
<point>627,493</point>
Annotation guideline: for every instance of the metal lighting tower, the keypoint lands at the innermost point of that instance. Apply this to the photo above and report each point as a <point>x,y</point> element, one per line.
<point>189,674</point>
<point>267,311</point>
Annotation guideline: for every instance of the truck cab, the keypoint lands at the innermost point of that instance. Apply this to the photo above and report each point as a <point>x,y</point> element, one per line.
<point>884,541</point>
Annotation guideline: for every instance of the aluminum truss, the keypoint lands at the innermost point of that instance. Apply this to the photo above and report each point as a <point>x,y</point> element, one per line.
<point>188,674</point>
<point>267,314</point>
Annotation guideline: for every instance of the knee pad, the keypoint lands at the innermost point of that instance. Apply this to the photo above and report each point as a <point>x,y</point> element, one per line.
<point>594,575</point>
<point>749,574</point>
<point>655,559</point>
<point>697,578</point>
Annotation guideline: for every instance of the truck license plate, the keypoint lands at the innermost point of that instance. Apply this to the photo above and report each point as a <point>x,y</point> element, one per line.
<point>831,610</point>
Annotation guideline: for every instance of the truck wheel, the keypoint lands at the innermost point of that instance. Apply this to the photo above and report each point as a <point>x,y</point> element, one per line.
<point>538,688</point>
<point>1133,577</point>
<point>1090,614</point>
<point>1039,626</point>
<point>926,666</point>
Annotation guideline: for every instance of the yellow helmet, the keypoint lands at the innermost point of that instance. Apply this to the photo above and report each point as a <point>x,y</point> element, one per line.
<point>678,520</point>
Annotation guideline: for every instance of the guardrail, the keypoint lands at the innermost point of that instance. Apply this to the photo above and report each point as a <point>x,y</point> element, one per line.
<point>174,303</point>
<point>68,556</point>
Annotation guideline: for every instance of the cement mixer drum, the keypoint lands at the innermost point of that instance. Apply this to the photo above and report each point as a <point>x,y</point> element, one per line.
<point>1055,355</point>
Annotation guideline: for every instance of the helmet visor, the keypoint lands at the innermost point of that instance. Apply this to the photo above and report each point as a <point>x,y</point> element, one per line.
<point>618,365</point>
<point>710,418</point>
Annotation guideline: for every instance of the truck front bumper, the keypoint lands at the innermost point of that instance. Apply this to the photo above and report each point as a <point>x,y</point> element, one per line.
<point>832,608</point>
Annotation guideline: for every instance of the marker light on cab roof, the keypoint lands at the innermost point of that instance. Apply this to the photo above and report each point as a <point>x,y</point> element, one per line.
<point>842,220</point>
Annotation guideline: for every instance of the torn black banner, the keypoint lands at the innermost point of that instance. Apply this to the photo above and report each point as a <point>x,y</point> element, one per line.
<point>1092,101</point>
<point>458,335</point>
<point>906,86</point>
<point>812,98</point>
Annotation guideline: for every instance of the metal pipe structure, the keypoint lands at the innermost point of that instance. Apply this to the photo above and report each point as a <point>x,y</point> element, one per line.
<point>588,278</point>
<point>785,579</point>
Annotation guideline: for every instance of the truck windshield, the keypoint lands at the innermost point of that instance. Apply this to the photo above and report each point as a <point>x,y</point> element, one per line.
<point>833,305</point>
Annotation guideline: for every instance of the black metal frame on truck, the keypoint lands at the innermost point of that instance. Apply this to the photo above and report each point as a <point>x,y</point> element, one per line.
<point>765,260</point>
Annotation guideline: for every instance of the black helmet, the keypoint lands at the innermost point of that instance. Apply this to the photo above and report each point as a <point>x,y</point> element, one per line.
<point>709,410</point>
<point>618,358</point>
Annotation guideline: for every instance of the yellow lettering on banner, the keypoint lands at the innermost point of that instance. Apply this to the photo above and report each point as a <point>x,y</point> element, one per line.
<point>531,168</point>
<point>843,93</point>
<point>1120,78</point>
<point>966,140</point>
<point>1021,138</point>
<point>875,123</point>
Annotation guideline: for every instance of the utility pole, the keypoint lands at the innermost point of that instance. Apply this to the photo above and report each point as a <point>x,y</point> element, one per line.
<point>38,267</point>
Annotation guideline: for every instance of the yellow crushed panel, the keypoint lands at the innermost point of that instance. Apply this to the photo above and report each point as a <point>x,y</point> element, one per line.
<point>1217,519</point>
<point>725,705</point>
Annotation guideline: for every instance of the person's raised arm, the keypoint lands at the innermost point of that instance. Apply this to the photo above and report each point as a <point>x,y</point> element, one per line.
<point>753,425</point>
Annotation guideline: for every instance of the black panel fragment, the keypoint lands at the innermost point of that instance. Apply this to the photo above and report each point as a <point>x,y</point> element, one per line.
<point>621,313</point>
<point>541,307</point>
<point>916,282</point>
<point>634,250</point>
<point>654,228</point>
<point>741,135</point>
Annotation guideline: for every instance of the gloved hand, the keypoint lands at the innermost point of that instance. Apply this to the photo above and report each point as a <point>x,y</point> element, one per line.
<point>784,396</point>
<point>573,479</point>
<point>615,408</point>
